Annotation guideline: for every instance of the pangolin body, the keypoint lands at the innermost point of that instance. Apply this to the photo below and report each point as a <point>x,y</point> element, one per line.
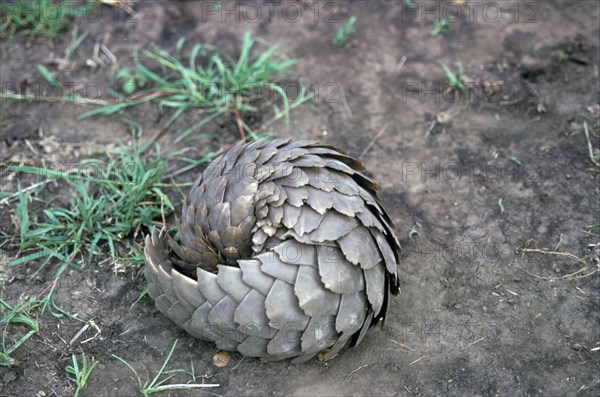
<point>284,251</point>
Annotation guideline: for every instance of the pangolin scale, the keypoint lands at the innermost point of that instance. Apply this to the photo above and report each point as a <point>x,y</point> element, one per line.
<point>284,252</point>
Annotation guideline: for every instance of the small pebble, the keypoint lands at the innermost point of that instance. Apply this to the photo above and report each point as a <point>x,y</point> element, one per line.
<point>221,359</point>
<point>321,355</point>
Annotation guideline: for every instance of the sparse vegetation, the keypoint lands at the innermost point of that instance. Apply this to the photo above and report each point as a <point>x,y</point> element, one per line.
<point>16,317</point>
<point>413,232</point>
<point>344,33</point>
<point>81,374</point>
<point>515,160</point>
<point>111,199</point>
<point>455,80</point>
<point>562,56</point>
<point>441,26</point>
<point>157,384</point>
<point>42,18</point>
<point>445,282</point>
<point>221,85</point>
<point>19,323</point>
<point>410,4</point>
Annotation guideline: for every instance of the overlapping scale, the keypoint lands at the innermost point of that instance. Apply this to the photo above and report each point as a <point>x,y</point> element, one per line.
<point>284,251</point>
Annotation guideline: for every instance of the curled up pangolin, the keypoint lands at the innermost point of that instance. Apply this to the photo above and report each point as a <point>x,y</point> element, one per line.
<point>285,251</point>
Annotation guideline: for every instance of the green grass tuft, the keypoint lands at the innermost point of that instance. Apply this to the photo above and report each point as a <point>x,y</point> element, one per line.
<point>455,80</point>
<point>220,84</point>
<point>81,373</point>
<point>344,33</point>
<point>410,4</point>
<point>441,27</point>
<point>41,18</point>
<point>209,80</point>
<point>16,317</point>
<point>413,232</point>
<point>157,384</point>
<point>111,199</point>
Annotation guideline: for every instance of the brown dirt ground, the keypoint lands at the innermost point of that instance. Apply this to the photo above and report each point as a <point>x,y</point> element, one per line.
<point>477,315</point>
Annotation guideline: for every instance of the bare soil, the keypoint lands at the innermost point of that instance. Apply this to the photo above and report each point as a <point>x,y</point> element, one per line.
<point>492,303</point>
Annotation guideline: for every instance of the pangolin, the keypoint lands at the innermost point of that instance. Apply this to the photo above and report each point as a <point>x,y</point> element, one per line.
<point>284,251</point>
